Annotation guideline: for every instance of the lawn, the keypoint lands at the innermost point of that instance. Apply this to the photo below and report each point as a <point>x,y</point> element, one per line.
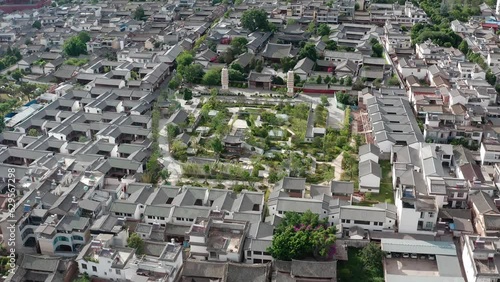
<point>353,269</point>
<point>386,193</point>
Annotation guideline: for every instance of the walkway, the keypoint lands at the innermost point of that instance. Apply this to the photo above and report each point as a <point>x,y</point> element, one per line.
<point>337,164</point>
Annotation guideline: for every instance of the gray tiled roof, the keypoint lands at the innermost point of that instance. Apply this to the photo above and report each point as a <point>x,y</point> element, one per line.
<point>314,269</point>
<point>204,269</point>
<point>40,263</point>
<point>369,167</point>
<point>484,203</point>
<point>369,148</point>
<point>238,272</point>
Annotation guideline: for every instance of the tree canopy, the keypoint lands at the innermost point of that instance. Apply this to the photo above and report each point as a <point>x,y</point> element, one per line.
<point>212,77</point>
<point>76,45</point>
<point>255,19</point>
<point>139,14</point>
<point>135,241</point>
<point>239,45</point>
<point>301,236</point>
<point>309,51</point>
<point>37,24</point>
<point>323,29</point>
<point>193,73</point>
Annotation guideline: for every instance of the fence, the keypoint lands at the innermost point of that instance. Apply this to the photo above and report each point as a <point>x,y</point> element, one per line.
<point>354,243</point>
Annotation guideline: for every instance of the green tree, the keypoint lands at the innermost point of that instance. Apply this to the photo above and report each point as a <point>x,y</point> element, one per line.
<point>331,45</point>
<point>82,139</point>
<point>37,24</point>
<point>184,59</point>
<point>287,63</point>
<point>193,73</point>
<point>179,150</point>
<point>239,45</point>
<point>237,67</point>
<point>164,175</point>
<point>136,242</point>
<point>377,50</point>
<point>327,79</point>
<point>372,256</point>
<point>255,19</point>
<point>188,94</point>
<point>356,6</point>
<point>172,131</point>
<point>343,98</point>
<point>217,145</point>
<point>323,30</point>
<point>301,236</point>
<point>236,76</point>
<point>311,27</point>
<point>490,77</point>
<point>348,81</point>
<point>33,132</point>
<point>319,79</point>
<point>153,168</point>
<point>2,123</point>
<point>464,47</point>
<point>309,51</point>
<point>175,82</point>
<point>85,277</point>
<point>324,100</point>
<point>212,77</point>
<point>84,36</point>
<point>139,14</point>
<point>393,81</point>
<point>17,75</point>
<point>74,47</point>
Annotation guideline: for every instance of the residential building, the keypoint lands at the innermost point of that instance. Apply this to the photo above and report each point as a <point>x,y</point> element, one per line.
<point>479,257</point>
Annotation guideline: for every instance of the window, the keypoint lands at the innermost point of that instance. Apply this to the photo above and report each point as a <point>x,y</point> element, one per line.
<point>343,220</point>
<point>333,216</point>
<point>249,253</point>
<point>431,214</point>
<point>364,222</point>
<point>162,218</point>
<point>428,225</point>
<point>118,272</point>
<point>266,254</point>
<point>150,217</point>
<point>178,218</point>
<point>84,266</point>
<point>213,254</point>
<point>257,253</point>
<point>447,157</point>
<point>94,268</point>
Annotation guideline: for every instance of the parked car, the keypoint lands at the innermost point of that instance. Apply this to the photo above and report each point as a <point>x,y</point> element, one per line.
<point>414,256</point>
<point>432,257</point>
<point>406,255</point>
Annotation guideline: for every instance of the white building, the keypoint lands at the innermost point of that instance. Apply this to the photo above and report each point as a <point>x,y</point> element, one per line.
<point>422,185</point>
<point>100,259</point>
<point>218,239</point>
<point>480,256</point>
<point>370,175</point>
<point>377,218</point>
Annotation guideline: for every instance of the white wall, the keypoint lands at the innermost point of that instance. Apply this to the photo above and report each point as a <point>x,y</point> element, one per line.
<point>468,263</point>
